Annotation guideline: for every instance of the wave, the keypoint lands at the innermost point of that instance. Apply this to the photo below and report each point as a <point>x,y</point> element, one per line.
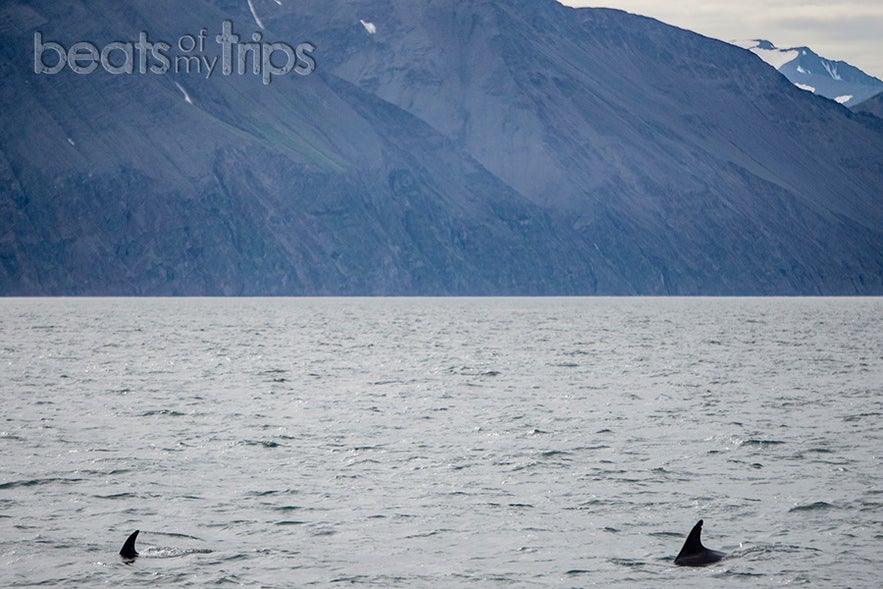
<point>812,506</point>
<point>36,482</point>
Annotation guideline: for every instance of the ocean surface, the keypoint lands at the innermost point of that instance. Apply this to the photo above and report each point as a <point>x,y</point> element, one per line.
<point>440,442</point>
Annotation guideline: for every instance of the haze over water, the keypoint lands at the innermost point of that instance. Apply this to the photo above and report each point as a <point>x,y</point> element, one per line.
<point>440,442</point>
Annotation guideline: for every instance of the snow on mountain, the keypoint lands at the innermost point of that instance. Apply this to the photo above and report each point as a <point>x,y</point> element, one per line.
<point>767,52</point>
<point>836,80</point>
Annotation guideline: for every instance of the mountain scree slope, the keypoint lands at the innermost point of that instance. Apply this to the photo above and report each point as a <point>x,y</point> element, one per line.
<point>453,148</point>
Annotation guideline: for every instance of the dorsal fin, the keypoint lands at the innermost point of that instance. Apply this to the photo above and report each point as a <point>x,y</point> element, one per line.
<point>693,544</point>
<point>694,554</point>
<point>128,550</point>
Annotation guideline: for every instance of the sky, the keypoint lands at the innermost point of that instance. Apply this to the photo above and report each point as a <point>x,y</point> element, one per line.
<point>850,30</point>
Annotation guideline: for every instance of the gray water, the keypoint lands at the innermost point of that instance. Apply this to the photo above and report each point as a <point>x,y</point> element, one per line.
<point>440,442</point>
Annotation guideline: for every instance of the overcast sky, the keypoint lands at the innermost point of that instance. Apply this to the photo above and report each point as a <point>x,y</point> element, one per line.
<point>850,31</point>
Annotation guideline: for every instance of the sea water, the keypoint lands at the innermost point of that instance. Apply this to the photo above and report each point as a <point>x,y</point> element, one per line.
<point>440,442</point>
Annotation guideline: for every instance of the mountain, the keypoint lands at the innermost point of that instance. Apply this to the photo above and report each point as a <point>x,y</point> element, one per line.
<point>872,106</point>
<point>184,184</point>
<point>439,147</point>
<point>836,80</point>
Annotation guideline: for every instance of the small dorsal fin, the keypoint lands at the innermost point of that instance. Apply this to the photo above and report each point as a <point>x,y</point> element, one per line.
<point>128,550</point>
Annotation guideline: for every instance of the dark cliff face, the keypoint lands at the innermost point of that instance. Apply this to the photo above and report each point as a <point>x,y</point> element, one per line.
<point>439,147</point>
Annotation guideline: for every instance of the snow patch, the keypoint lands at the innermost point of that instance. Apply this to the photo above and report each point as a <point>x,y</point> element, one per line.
<point>369,26</point>
<point>255,14</point>
<point>768,52</point>
<point>805,87</point>
<point>844,99</point>
<point>184,92</point>
<point>800,70</point>
<point>832,69</point>
<point>745,44</point>
<point>776,57</point>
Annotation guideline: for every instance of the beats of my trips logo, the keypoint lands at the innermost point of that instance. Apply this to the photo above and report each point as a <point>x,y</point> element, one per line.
<point>192,54</point>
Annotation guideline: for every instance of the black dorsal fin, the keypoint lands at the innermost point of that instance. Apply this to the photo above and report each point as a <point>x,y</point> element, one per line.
<point>128,550</point>
<point>694,554</point>
<point>693,545</point>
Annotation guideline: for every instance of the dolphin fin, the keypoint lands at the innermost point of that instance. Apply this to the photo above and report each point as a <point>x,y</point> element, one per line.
<point>694,553</point>
<point>128,550</point>
<point>693,544</point>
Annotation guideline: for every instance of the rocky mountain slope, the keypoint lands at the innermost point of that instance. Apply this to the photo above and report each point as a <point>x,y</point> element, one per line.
<point>872,106</point>
<point>439,147</point>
